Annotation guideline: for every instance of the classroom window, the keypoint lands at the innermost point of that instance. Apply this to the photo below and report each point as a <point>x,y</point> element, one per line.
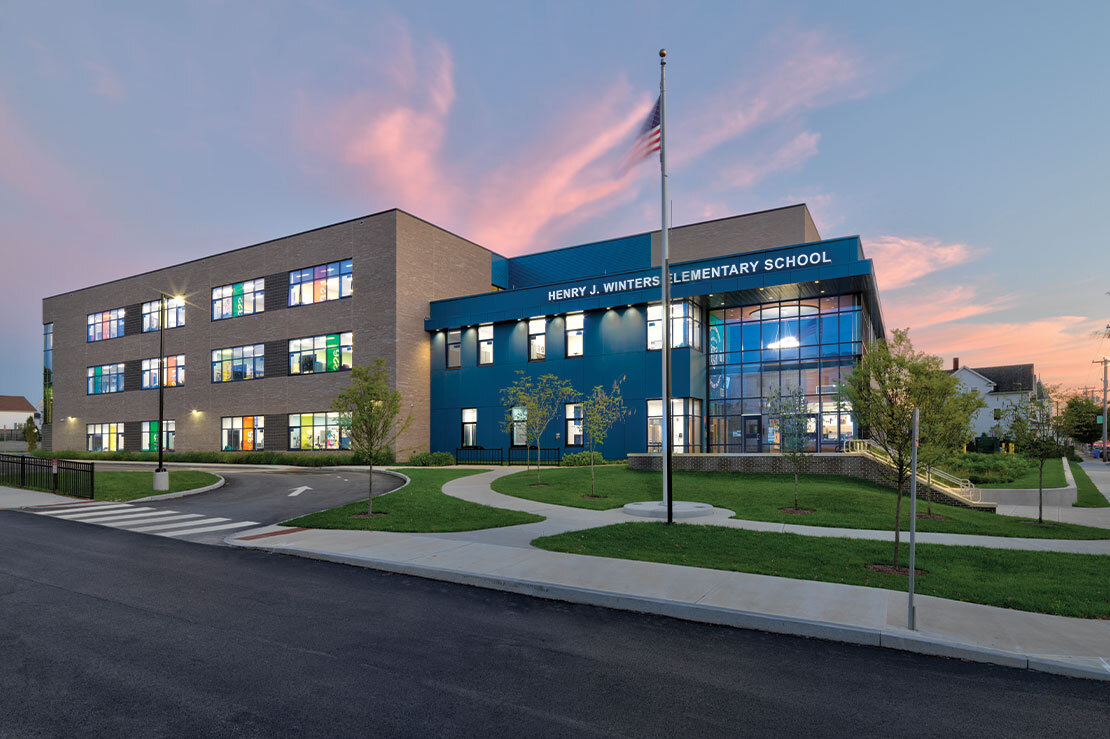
<point>321,283</point>
<point>485,343</point>
<point>175,314</point>
<point>685,425</point>
<point>328,430</point>
<point>242,433</point>
<point>47,373</point>
<point>239,363</point>
<point>454,349</point>
<point>518,433</point>
<point>238,299</point>
<point>107,378</point>
<point>106,324</point>
<point>537,339</point>
<point>686,322</point>
<point>575,323</point>
<point>327,353</point>
<point>104,437</point>
<point>469,427</point>
<point>174,373</point>
<point>149,440</point>
<point>573,413</point>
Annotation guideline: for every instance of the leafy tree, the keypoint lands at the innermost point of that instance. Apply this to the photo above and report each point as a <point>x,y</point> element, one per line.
<point>883,390</point>
<point>1080,419</point>
<point>1036,433</point>
<point>792,412</point>
<point>370,408</point>
<point>600,410</point>
<point>541,399</point>
<point>944,419</point>
<point>31,433</point>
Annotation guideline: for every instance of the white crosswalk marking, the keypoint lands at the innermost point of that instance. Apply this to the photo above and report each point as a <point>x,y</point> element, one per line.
<point>144,521</point>
<point>130,516</point>
<point>94,517</point>
<point>159,527</point>
<point>87,512</point>
<point>206,529</point>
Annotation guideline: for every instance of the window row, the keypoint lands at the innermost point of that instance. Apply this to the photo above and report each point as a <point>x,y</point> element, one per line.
<point>107,378</point>
<point>307,431</point>
<point>770,380</point>
<point>148,441</point>
<point>239,363</point>
<point>153,311</point>
<point>792,333</point>
<point>788,309</point>
<point>321,283</point>
<point>174,373</point>
<point>326,353</point>
<point>106,324</point>
<point>238,299</point>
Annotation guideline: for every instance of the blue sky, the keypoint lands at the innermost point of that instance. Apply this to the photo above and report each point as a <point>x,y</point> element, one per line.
<point>965,142</point>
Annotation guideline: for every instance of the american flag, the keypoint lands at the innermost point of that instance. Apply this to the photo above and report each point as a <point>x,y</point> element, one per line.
<point>648,140</point>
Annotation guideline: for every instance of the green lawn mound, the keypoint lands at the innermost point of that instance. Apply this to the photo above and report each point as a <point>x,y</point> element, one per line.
<point>1046,582</point>
<point>845,502</point>
<point>1053,477</point>
<point>1087,495</point>
<point>420,506</point>
<point>122,486</point>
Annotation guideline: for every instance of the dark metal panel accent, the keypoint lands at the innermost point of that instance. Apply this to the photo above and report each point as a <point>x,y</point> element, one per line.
<point>132,435</point>
<point>133,375</point>
<point>133,319</point>
<point>277,358</point>
<point>277,432</point>
<point>277,291</point>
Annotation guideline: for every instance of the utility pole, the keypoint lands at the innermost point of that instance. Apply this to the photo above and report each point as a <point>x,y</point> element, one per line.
<point>1104,362</point>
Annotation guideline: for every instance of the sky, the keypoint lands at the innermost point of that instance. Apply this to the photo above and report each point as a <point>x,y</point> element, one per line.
<point>964,142</point>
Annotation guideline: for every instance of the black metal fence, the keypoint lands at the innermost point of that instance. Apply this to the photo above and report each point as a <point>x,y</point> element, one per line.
<point>477,455</point>
<point>535,455</point>
<point>34,473</point>
<point>15,434</point>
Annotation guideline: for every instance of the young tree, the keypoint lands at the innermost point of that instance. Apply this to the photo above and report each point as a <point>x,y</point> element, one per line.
<point>541,399</point>
<point>31,433</point>
<point>1036,433</point>
<point>883,390</point>
<point>792,412</point>
<point>1080,419</point>
<point>600,410</point>
<point>945,418</point>
<point>370,410</point>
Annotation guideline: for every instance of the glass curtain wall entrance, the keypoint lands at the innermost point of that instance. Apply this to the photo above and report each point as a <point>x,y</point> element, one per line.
<point>757,352</point>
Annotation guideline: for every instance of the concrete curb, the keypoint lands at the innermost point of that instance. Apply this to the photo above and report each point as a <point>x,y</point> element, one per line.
<point>182,493</point>
<point>891,639</point>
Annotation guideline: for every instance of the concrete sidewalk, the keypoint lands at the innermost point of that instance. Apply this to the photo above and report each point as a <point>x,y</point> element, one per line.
<point>19,498</point>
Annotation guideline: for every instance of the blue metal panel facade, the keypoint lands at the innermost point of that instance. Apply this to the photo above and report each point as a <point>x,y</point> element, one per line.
<point>586,260</point>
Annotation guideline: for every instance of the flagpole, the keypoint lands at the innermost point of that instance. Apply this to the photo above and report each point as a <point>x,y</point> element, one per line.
<point>665,259</point>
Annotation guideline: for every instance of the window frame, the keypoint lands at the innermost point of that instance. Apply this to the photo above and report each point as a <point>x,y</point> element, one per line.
<point>316,283</point>
<point>484,342</point>
<point>169,436</point>
<point>472,425</point>
<point>256,360</point>
<point>515,422</point>
<point>258,441</point>
<point>329,423</point>
<point>112,320</point>
<point>228,297</point>
<point>115,370</point>
<point>537,338</point>
<point>569,421</point>
<point>147,370</point>
<point>152,316</point>
<point>580,330</point>
<point>313,351</point>
<point>112,431</point>
<point>453,349</point>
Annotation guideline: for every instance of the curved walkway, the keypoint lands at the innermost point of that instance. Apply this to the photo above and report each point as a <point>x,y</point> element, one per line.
<point>559,519</point>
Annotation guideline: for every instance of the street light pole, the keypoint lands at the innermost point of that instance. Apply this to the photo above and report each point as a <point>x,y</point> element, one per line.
<point>161,477</point>
<point>1104,361</point>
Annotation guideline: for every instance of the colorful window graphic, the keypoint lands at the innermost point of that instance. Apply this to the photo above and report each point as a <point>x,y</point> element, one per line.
<point>104,437</point>
<point>239,363</point>
<point>328,430</point>
<point>106,325</point>
<point>327,353</point>
<point>174,374</point>
<point>107,378</point>
<point>175,314</point>
<point>321,283</point>
<point>238,299</point>
<point>242,433</point>
<point>149,440</point>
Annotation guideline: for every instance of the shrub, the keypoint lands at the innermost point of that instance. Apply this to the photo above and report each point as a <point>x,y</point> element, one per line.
<point>432,459</point>
<point>987,468</point>
<point>581,459</point>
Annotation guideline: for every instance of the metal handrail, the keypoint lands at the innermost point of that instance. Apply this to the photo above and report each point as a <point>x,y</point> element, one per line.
<point>958,486</point>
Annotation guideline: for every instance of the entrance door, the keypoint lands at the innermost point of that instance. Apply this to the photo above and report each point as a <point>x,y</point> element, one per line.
<point>753,434</point>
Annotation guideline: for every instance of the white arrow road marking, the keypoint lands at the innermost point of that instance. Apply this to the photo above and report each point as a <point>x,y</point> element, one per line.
<point>298,491</point>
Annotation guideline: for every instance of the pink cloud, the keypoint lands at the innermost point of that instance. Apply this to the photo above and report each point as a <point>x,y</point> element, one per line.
<point>900,262</point>
<point>1060,347</point>
<point>942,304</point>
<point>790,156</point>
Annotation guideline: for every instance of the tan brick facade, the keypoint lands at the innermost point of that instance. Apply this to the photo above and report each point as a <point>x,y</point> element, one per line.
<point>738,234</point>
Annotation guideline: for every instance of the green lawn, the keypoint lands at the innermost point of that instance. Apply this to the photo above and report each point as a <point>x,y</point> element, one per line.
<point>1053,478</point>
<point>420,506</point>
<point>838,501</point>
<point>1047,582</point>
<point>123,486</point>
<point>1088,496</point>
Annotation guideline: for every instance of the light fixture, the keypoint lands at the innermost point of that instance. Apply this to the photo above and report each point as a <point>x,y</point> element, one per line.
<point>786,342</point>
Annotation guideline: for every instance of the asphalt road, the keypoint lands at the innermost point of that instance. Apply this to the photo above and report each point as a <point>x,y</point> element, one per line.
<point>106,633</point>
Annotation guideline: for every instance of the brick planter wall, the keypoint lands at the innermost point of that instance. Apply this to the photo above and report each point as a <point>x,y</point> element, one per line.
<point>835,463</point>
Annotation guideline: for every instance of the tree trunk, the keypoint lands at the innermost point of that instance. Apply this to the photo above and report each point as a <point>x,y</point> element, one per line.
<point>898,519</point>
<point>928,497</point>
<point>593,484</point>
<point>795,489</point>
<point>1040,494</point>
<point>370,491</point>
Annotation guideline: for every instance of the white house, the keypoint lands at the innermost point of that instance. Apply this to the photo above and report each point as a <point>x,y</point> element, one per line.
<point>1000,387</point>
<point>14,410</point>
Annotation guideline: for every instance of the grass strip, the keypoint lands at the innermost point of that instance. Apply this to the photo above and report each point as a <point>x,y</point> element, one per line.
<point>420,506</point>
<point>1053,478</point>
<point>845,502</point>
<point>1046,582</point>
<point>1088,496</point>
<point>124,486</point>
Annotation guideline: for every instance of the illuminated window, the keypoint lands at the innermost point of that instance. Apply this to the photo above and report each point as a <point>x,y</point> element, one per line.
<point>242,433</point>
<point>454,349</point>
<point>321,283</point>
<point>107,378</point>
<point>469,427</point>
<point>314,354</point>
<point>106,325</point>
<point>238,299</point>
<point>685,425</point>
<point>574,323</point>
<point>175,314</point>
<point>573,412</point>
<point>328,430</point>
<point>174,374</point>
<point>47,373</point>
<point>104,437</point>
<point>686,323</point>
<point>519,432</point>
<point>485,343</point>
<point>537,339</point>
<point>148,442</point>
<point>239,363</point>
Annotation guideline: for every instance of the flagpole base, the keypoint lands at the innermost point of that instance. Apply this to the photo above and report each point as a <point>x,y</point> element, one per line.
<point>658,509</point>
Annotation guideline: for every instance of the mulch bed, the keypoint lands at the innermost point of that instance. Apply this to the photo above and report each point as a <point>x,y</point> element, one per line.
<point>933,516</point>
<point>797,511</point>
<point>892,570</point>
<point>368,515</point>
